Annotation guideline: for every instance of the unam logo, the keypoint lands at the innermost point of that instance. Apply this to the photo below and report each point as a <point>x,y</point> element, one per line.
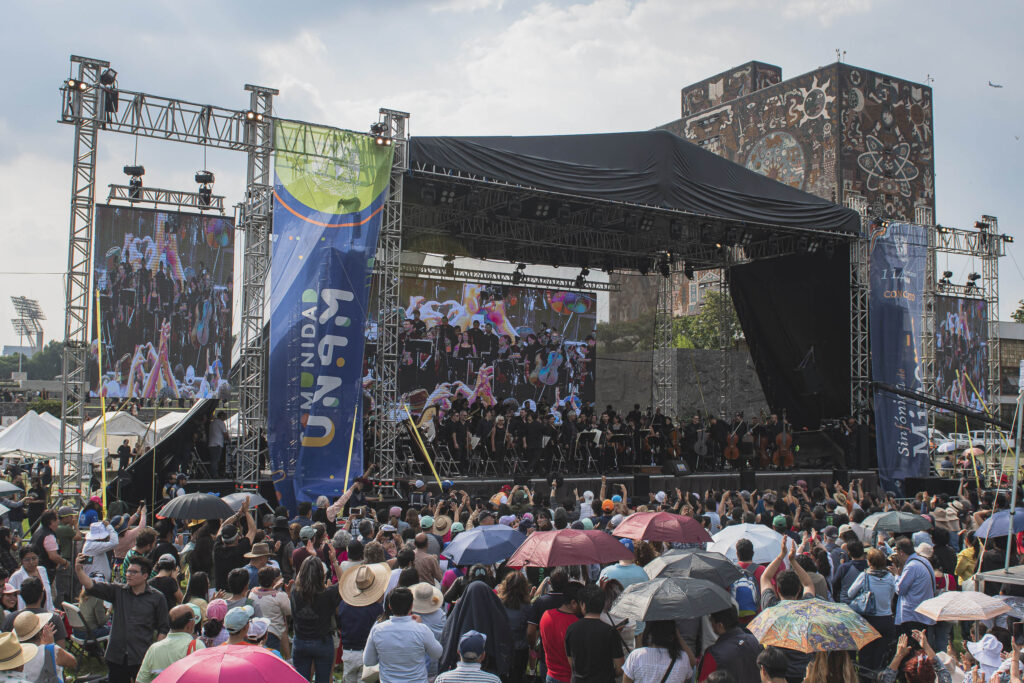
<point>319,384</point>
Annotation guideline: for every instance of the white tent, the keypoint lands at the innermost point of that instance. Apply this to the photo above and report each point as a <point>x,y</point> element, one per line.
<point>33,435</point>
<point>51,418</point>
<point>165,423</point>
<point>121,425</point>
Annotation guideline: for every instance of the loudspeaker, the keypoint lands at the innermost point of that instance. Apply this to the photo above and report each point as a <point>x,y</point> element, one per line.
<point>641,486</point>
<point>677,468</point>
<point>747,480</point>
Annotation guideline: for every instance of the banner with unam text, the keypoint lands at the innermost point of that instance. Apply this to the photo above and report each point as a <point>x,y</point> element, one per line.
<point>329,191</point>
<point>898,252</point>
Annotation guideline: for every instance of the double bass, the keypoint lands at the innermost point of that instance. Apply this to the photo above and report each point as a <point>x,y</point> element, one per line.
<point>732,450</point>
<point>783,456</point>
<point>761,443</point>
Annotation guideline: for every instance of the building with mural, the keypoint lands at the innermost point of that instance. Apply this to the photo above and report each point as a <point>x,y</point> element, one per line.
<point>841,132</point>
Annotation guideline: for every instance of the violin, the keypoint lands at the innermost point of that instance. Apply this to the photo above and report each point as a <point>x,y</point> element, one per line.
<point>783,456</point>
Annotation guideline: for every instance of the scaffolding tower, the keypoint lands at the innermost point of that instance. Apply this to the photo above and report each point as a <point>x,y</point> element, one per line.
<point>666,392</point>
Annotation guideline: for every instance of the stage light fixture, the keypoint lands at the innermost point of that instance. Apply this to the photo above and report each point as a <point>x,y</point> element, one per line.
<point>973,277</point>
<point>135,173</point>
<point>580,281</point>
<point>564,213</point>
<point>515,208</point>
<point>205,195</point>
<point>980,225</point>
<point>745,239</point>
<point>253,116</point>
<point>665,268</point>
<point>448,195</point>
<point>688,271</point>
<point>204,177</point>
<point>584,271</point>
<point>947,274</point>
<point>647,223</point>
<point>543,210</point>
<point>77,85</point>
<point>812,247</point>
<point>1008,239</point>
<point>108,77</point>
<point>449,267</point>
<point>517,276</point>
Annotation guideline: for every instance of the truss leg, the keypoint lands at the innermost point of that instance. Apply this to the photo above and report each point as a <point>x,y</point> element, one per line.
<point>389,274</point>
<point>724,343</point>
<point>860,343</point>
<point>82,106</point>
<point>255,222</point>
<point>663,382</point>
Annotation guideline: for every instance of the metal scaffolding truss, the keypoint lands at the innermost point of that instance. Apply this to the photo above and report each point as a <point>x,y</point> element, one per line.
<point>82,102</point>
<point>388,266</point>
<point>499,278</point>
<point>664,382</point>
<point>157,196</point>
<point>860,342</point>
<point>724,344</point>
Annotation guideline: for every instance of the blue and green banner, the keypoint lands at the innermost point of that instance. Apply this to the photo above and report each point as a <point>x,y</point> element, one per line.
<point>329,191</point>
<point>898,252</point>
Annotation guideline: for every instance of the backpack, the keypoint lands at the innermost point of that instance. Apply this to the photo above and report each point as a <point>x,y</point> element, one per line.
<point>746,594</point>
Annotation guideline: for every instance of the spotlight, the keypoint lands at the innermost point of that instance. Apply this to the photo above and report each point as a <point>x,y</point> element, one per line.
<point>135,171</point>
<point>76,85</point>
<point>585,271</point>
<point>973,277</point>
<point>947,274</point>
<point>543,209</point>
<point>972,282</point>
<point>428,193</point>
<point>675,230</point>
<point>204,177</point>
<point>580,281</point>
<point>108,77</point>
<point>253,116</point>
<point>646,223</point>
<point>517,276</point>
<point>688,271</point>
<point>1008,238</point>
<point>379,130</point>
<point>205,195</point>
<point>521,266</point>
<point>812,247</point>
<point>448,195</point>
<point>135,174</point>
<point>449,267</point>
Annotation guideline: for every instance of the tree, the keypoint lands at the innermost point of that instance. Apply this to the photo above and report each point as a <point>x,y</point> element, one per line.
<point>1018,315</point>
<point>704,330</point>
<point>44,365</point>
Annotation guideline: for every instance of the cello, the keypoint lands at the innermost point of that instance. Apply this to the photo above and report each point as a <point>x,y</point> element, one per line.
<point>783,456</point>
<point>732,450</point>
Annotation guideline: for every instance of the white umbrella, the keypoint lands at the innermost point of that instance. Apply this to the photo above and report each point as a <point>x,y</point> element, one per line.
<point>962,606</point>
<point>767,542</point>
<point>235,500</point>
<point>947,447</point>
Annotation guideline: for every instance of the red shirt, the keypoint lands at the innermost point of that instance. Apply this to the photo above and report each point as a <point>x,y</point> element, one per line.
<point>553,625</point>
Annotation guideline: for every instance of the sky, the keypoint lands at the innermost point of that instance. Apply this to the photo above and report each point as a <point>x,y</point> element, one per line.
<point>482,67</point>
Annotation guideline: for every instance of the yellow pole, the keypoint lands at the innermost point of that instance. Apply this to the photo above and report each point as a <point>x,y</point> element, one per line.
<point>351,442</point>
<point>423,448</point>
<point>103,404</point>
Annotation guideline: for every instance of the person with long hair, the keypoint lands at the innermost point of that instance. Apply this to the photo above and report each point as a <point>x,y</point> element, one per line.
<point>8,551</point>
<point>664,657</point>
<point>834,666</point>
<point>626,627</point>
<point>201,557</point>
<point>514,593</point>
<point>313,604</point>
<point>197,592</point>
<point>880,582</point>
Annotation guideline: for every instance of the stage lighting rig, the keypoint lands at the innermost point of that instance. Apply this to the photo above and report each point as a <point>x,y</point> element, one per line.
<point>205,180</point>
<point>688,271</point>
<point>664,267</point>
<point>564,213</point>
<point>945,280</point>
<point>517,274</point>
<point>379,132</point>
<point>515,208</point>
<point>134,174</point>
<point>449,267</point>
<point>76,85</point>
<point>253,116</point>
<point>1008,239</point>
<point>972,282</point>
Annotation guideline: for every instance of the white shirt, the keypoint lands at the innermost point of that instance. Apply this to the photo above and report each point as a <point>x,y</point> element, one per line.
<point>98,551</point>
<point>18,577</point>
<point>648,665</point>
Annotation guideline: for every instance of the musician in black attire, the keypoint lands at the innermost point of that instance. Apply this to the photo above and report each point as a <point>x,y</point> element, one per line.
<point>459,438</point>
<point>717,430</point>
<point>419,326</point>
<point>567,431</point>
<point>533,442</point>
<point>635,414</point>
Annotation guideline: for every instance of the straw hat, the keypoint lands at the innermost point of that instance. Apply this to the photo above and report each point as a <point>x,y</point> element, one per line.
<point>426,598</point>
<point>441,524</point>
<point>14,654</point>
<point>28,624</point>
<point>365,584</point>
<point>258,550</point>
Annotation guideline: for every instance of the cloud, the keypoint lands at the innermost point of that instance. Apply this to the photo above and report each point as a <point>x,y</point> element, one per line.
<point>466,5</point>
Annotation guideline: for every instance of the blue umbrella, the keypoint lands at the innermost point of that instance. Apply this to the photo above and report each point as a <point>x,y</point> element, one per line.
<point>999,524</point>
<point>484,545</point>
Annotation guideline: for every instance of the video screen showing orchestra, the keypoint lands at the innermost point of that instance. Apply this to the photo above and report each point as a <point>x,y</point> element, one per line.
<point>165,297</point>
<point>961,351</point>
<point>493,344</point>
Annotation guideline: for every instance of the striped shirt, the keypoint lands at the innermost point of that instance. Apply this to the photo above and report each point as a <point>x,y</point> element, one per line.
<point>466,672</point>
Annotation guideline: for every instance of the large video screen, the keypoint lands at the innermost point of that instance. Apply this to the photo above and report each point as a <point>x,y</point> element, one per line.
<point>493,344</point>
<point>961,351</point>
<point>165,293</point>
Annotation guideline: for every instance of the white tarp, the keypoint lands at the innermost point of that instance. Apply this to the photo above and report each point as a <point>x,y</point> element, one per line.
<point>121,425</point>
<point>165,423</point>
<point>33,435</point>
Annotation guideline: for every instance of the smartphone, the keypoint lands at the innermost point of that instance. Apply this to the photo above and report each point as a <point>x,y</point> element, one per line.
<point>1018,633</point>
<point>87,559</point>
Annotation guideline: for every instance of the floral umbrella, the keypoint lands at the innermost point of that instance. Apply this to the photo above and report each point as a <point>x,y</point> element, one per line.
<point>812,625</point>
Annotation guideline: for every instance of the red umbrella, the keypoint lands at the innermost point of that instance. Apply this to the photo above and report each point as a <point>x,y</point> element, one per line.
<point>568,546</point>
<point>662,526</point>
<point>230,663</point>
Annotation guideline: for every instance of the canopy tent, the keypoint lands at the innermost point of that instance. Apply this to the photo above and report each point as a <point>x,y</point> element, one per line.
<point>51,419</point>
<point>163,425</point>
<point>121,425</point>
<point>35,436</point>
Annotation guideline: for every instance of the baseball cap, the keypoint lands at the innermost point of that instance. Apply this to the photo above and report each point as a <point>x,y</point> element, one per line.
<point>628,542</point>
<point>458,528</point>
<point>418,484</point>
<point>228,532</point>
<point>307,533</point>
<point>472,645</point>
<point>844,528</point>
<point>780,520</point>
<point>616,520</point>
<point>66,511</point>
<point>426,521</point>
<point>831,532</point>
<point>258,628</point>
<point>607,505</point>
<point>237,617</point>
<point>395,511</point>
<point>588,523</point>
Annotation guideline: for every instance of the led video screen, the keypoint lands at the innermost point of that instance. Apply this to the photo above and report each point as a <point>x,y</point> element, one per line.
<point>961,351</point>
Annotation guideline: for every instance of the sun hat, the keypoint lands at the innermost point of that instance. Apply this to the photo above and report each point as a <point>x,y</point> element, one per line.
<point>14,654</point>
<point>987,650</point>
<point>307,533</point>
<point>588,523</point>
<point>840,498</point>
<point>426,521</point>
<point>28,624</point>
<point>588,496</point>
<point>607,505</point>
<point>924,550</point>
<point>441,524</point>
<point>844,528</point>
<point>940,515</point>
<point>258,628</point>
<point>238,617</point>
<point>457,528</point>
<point>258,550</point>
<point>920,537</point>
<point>217,609</point>
<point>8,589</point>
<point>365,584</point>
<point>660,496</point>
<point>472,645</point>
<point>426,598</point>
<point>97,532</point>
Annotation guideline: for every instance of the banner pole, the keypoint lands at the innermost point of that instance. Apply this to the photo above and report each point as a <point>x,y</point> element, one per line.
<point>103,403</point>
<point>351,441</point>
<point>423,448</point>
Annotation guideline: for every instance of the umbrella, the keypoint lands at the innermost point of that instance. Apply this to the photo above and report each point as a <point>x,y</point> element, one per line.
<point>567,547</point>
<point>7,488</point>
<point>767,542</point>
<point>962,606</point>
<point>662,526</point>
<point>1016,604</point>
<point>946,447</point>
<point>484,545</point>
<point>236,500</point>
<point>999,524</point>
<point>975,452</point>
<point>812,625</point>
<point>898,522</point>
<point>669,598</point>
<point>231,663</point>
<point>695,564</point>
<point>196,506</point>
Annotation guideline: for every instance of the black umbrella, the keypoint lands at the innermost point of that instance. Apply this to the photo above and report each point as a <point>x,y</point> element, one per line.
<point>897,522</point>
<point>695,564</point>
<point>196,506</point>
<point>669,599</point>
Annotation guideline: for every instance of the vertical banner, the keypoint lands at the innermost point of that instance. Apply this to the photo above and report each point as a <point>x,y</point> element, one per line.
<point>329,191</point>
<point>898,252</point>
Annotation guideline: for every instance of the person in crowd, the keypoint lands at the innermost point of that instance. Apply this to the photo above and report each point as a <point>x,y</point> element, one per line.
<point>145,539</point>
<point>922,666</point>
<point>8,601</point>
<point>849,571</point>
<point>425,562</point>
<point>401,646</point>
<point>363,588</point>
<point>67,535</point>
<point>625,572</point>
<point>236,623</point>
<point>45,544</point>
<point>472,655</point>
<point>100,540</point>
<point>138,612</point>
<point>514,593</point>
<point>772,665</point>
<point>95,614</point>
<point>214,633</point>
<point>30,569</point>
<point>258,558</point>
<point>166,580</point>
<point>179,643</point>
<point>51,659</point>
<point>270,599</point>
<point>33,596</point>
<point>664,657</point>
<point>164,541</point>
<point>553,626</point>
<point>9,546</point>
<point>791,584</point>
<point>313,605</point>
<point>258,632</point>
<point>427,601</point>
<point>735,650</point>
<point>13,658</point>
<point>231,546</point>
<point>593,648</point>
<point>877,580</point>
<point>916,583</point>
<point>237,591</point>
<point>201,557</point>
<point>197,592</point>
<point>834,666</point>
<point>481,610</point>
